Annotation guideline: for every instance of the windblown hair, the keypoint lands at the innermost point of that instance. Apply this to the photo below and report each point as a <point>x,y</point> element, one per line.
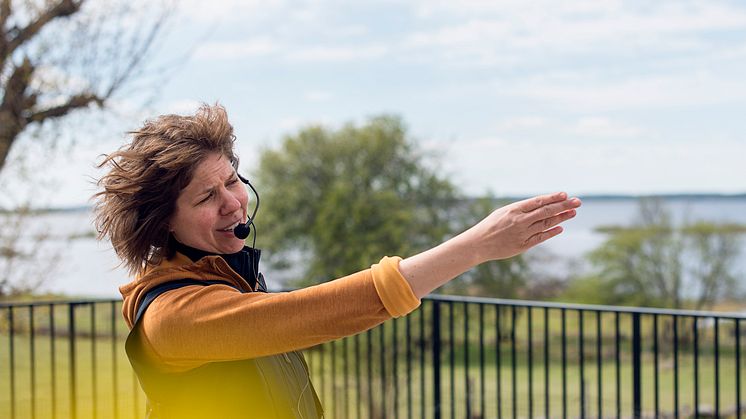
<point>147,175</point>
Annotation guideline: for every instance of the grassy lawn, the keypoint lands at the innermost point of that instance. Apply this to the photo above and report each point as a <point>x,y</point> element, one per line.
<point>330,384</point>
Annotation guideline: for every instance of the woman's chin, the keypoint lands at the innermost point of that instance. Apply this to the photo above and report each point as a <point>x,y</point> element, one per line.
<point>235,245</point>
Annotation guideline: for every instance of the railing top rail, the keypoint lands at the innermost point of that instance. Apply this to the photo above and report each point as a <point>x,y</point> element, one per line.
<point>587,307</point>
<point>461,299</point>
<point>75,301</point>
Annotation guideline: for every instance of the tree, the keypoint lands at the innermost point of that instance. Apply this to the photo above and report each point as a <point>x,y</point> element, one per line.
<point>58,56</point>
<point>344,198</point>
<point>657,263</point>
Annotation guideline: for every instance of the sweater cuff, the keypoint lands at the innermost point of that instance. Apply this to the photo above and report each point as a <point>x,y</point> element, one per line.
<point>394,291</point>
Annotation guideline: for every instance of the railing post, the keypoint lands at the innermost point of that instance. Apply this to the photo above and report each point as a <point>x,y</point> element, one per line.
<point>436,359</point>
<point>636,367</point>
<point>71,332</point>
<point>12,361</point>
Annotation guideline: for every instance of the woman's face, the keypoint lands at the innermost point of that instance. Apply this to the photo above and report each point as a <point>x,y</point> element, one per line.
<point>210,207</point>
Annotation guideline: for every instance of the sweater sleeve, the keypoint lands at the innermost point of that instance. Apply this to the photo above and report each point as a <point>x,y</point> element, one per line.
<point>193,325</point>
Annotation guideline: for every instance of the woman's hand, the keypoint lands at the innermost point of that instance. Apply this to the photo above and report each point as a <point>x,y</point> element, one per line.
<point>506,232</point>
<point>515,228</point>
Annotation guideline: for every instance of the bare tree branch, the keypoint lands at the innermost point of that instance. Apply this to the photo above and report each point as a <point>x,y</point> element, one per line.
<point>4,13</point>
<point>90,56</point>
<point>64,8</point>
<point>74,102</point>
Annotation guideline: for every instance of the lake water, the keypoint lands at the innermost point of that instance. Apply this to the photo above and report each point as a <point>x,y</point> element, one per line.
<point>89,267</point>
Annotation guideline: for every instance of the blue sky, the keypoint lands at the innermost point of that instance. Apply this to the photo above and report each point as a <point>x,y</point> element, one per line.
<point>515,97</point>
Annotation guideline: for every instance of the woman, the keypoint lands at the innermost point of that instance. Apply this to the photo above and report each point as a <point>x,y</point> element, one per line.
<point>207,340</point>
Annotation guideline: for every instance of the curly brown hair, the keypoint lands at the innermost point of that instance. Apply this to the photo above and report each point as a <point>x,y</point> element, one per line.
<point>147,175</point>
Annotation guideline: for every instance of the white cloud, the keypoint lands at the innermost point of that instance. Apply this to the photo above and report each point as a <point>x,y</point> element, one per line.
<point>330,53</point>
<point>522,122</point>
<point>603,127</point>
<point>637,92</point>
<point>230,10</point>
<point>233,50</point>
<point>500,33</point>
<point>317,95</point>
<point>519,167</point>
<point>182,107</point>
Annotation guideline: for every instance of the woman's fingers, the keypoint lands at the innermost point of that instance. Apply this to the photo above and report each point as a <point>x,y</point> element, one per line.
<point>543,236</point>
<point>537,202</point>
<point>547,223</point>
<point>552,209</point>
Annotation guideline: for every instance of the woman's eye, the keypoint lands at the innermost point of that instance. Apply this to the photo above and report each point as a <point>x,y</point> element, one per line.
<point>205,199</point>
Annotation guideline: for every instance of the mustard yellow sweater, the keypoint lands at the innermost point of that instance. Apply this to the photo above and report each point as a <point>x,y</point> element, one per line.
<point>193,325</point>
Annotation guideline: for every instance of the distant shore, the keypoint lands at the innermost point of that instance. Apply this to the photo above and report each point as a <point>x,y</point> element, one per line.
<point>589,197</point>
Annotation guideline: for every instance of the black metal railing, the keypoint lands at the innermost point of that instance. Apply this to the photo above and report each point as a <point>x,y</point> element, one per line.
<point>452,357</point>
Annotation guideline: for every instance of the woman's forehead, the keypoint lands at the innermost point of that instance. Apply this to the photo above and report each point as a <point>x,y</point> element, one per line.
<point>214,169</point>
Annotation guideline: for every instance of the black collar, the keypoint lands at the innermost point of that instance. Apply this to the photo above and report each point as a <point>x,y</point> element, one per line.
<point>245,262</point>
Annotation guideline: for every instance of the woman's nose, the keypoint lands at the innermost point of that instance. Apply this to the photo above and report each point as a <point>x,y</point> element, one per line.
<point>231,203</point>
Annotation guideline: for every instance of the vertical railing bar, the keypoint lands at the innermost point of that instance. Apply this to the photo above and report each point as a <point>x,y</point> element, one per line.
<point>72,360</point>
<point>636,366</point>
<point>452,358</point>
<point>695,331</point>
<point>436,360</point>
<point>382,357</point>
<point>357,376</point>
<point>114,379</point>
<point>564,363</point>
<point>482,403</point>
<point>738,367</point>
<point>676,365</point>
<point>94,371</point>
<point>370,372</point>
<point>334,377</point>
<point>423,392</point>
<point>466,359</point>
<point>409,364</point>
<point>581,348</point>
<point>717,367</point>
<point>498,342</point>
<point>599,364</point>
<point>32,358</point>
<point>513,364</point>
<point>12,356</point>
<point>395,368</point>
<point>617,366</point>
<point>546,362</point>
<point>656,366</point>
<point>345,359</point>
<point>53,366</point>
<point>530,363</point>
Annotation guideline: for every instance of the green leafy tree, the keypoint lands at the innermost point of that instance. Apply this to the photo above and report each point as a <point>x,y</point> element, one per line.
<point>657,263</point>
<point>344,198</point>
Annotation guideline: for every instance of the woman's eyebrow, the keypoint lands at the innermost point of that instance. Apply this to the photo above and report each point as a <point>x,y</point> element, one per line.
<point>206,190</point>
<point>212,188</point>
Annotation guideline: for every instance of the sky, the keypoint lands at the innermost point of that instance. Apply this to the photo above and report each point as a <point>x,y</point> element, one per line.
<point>513,97</point>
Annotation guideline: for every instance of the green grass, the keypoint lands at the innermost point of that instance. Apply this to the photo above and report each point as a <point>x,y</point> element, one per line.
<point>330,385</point>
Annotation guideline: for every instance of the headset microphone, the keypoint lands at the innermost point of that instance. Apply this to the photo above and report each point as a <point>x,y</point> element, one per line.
<point>242,230</point>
